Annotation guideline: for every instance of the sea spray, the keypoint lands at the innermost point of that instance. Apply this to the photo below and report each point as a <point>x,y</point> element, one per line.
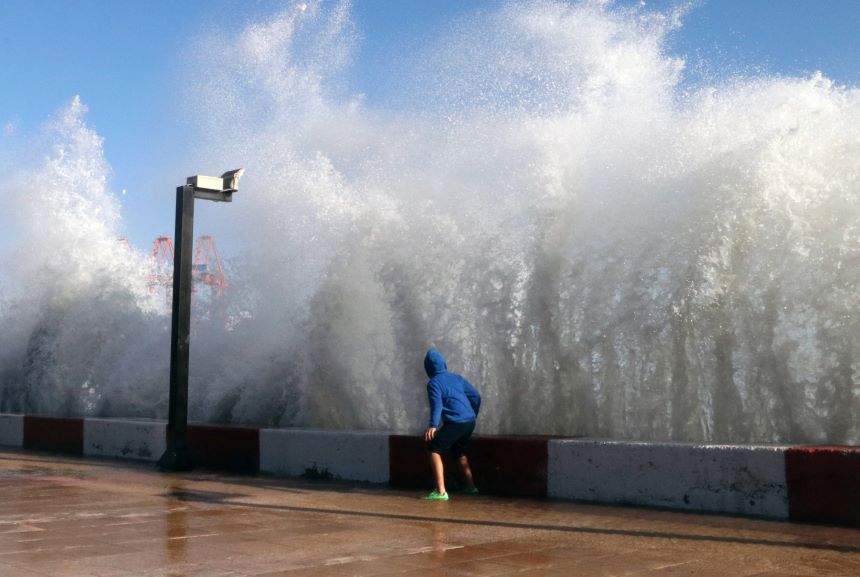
<point>77,311</point>
<point>602,248</point>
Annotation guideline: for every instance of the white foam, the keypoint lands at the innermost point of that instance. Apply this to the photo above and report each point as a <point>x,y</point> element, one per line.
<point>601,248</point>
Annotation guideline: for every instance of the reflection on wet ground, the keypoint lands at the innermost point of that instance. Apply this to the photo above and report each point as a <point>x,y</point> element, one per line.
<point>78,517</point>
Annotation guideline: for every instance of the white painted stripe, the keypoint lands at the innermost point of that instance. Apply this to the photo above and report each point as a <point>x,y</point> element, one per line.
<point>352,455</point>
<point>11,430</point>
<point>739,479</point>
<point>142,440</point>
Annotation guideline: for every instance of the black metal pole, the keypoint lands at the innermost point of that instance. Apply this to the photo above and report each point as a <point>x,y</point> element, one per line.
<point>176,457</point>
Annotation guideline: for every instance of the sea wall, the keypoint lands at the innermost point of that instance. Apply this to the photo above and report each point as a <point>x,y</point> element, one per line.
<point>799,483</point>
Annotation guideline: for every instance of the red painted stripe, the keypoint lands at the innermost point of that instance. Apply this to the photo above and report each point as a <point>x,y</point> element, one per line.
<point>824,484</point>
<point>54,434</point>
<point>510,465</point>
<point>225,447</point>
<point>408,464</point>
<point>501,465</point>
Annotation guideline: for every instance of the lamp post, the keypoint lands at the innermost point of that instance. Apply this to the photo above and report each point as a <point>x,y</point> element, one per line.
<point>219,189</point>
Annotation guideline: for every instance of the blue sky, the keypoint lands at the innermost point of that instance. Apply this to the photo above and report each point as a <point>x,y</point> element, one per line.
<point>124,60</point>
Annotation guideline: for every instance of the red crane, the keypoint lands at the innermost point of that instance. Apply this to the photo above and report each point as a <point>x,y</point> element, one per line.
<point>206,268</point>
<point>161,273</point>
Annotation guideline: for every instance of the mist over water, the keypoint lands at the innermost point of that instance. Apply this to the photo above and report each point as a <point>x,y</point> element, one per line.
<point>602,248</point>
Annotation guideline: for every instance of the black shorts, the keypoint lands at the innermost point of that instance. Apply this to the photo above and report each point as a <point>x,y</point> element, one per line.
<point>453,437</point>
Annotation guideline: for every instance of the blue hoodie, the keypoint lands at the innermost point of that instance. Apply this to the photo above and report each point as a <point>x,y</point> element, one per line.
<point>452,398</point>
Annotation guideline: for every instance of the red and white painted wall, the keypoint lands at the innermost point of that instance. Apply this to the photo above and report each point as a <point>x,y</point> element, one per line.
<point>801,483</point>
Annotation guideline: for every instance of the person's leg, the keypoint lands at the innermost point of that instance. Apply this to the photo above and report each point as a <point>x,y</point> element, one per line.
<point>438,446</point>
<point>438,471</point>
<point>458,451</point>
<point>466,473</point>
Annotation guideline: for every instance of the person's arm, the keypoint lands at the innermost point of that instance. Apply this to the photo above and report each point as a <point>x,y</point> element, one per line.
<point>434,397</point>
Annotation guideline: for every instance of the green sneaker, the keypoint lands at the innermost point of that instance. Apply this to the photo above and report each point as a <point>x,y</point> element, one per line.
<point>435,496</point>
<point>472,491</point>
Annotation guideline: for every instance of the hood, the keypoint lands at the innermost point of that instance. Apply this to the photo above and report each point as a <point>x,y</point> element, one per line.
<point>434,363</point>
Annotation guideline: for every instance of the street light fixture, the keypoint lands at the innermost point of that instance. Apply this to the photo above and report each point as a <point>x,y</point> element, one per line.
<point>219,189</point>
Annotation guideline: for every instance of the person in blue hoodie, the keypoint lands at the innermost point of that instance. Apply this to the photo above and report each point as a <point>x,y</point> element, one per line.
<point>454,405</point>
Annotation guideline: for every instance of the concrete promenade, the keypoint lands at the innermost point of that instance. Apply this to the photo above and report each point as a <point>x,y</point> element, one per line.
<point>72,516</point>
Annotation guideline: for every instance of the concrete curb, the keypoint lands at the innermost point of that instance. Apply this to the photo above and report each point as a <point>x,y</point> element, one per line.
<point>135,440</point>
<point>224,447</point>
<point>54,434</point>
<point>824,484</point>
<point>11,430</point>
<point>515,466</point>
<point>810,484</point>
<point>746,480</point>
<point>353,455</point>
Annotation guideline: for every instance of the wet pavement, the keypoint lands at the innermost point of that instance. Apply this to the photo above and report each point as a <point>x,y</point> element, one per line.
<point>67,517</point>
